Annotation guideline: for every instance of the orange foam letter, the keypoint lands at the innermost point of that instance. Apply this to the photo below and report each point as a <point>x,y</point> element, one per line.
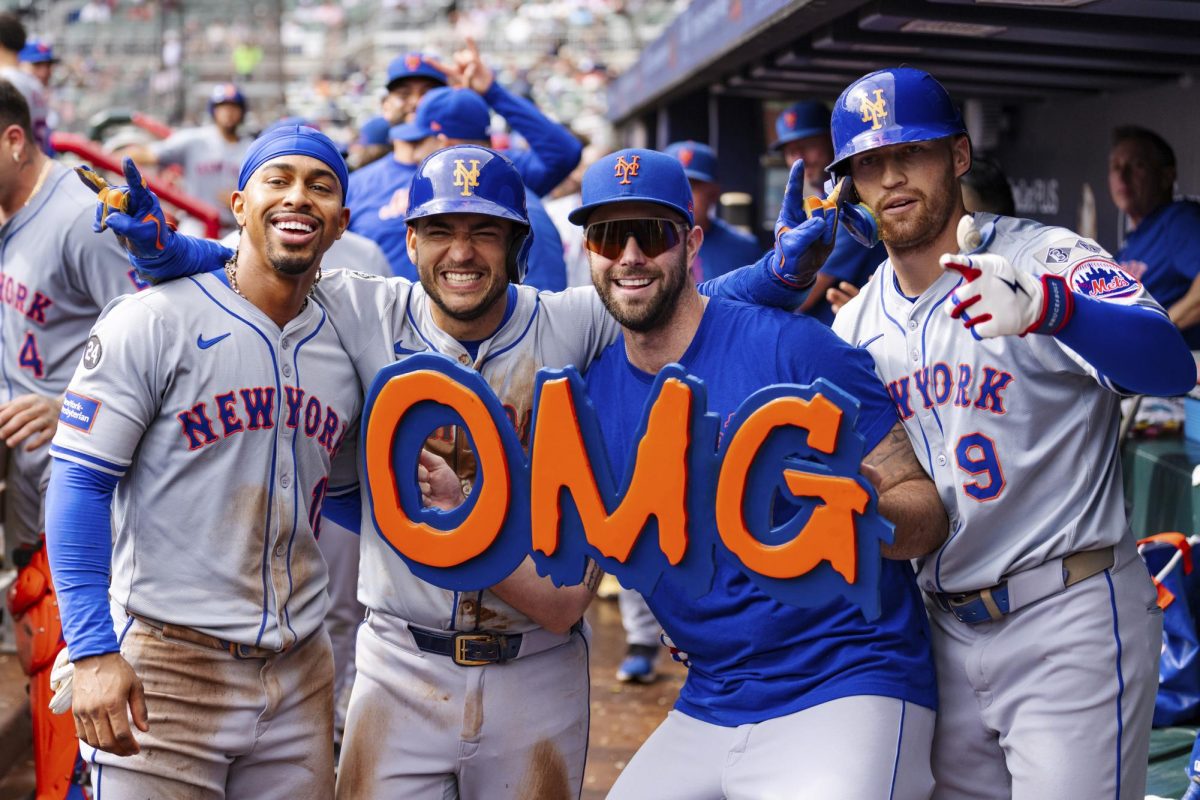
<point>829,534</point>
<point>560,462</point>
<point>417,540</point>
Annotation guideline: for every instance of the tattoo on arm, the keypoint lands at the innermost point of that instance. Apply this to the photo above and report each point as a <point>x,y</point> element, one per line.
<point>894,460</point>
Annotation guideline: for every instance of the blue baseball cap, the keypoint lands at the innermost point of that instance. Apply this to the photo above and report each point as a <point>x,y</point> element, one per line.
<point>35,52</point>
<point>413,65</point>
<point>699,160</point>
<point>454,113</point>
<point>799,121</point>
<point>631,176</point>
<point>374,131</point>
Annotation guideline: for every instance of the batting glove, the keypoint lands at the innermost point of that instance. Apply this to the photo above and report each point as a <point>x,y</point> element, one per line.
<point>62,683</point>
<point>132,211</point>
<point>1003,300</point>
<point>856,217</point>
<point>804,233</point>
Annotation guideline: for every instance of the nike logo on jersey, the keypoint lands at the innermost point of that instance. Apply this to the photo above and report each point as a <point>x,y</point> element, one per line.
<point>204,344</point>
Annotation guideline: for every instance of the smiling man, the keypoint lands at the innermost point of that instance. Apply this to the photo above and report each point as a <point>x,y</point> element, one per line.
<point>1005,345</point>
<point>202,428</point>
<point>779,701</point>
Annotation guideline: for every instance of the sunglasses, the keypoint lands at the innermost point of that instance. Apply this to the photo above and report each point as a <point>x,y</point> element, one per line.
<point>653,236</point>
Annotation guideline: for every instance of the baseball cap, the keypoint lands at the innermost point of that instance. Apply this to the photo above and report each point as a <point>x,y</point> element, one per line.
<point>374,131</point>
<point>413,65</point>
<point>455,113</point>
<point>35,52</point>
<point>699,160</point>
<point>799,121</point>
<point>635,175</point>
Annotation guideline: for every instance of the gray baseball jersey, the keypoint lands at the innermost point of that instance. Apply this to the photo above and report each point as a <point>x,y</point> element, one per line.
<point>382,320</point>
<point>210,164</point>
<point>56,276</point>
<point>1018,432</point>
<point>224,430</point>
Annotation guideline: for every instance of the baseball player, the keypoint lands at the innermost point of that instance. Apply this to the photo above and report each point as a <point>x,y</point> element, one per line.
<point>211,155</point>
<point>228,397</point>
<point>779,701</point>
<point>802,134</point>
<point>12,43</point>
<point>725,247</point>
<point>465,715</point>
<point>1005,345</point>
<point>379,192</point>
<point>56,280</point>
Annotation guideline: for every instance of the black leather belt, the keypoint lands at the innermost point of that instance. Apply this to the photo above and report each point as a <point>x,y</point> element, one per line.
<point>468,648</point>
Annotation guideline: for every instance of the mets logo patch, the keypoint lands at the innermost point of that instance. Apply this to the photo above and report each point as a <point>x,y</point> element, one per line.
<point>1103,279</point>
<point>626,169</point>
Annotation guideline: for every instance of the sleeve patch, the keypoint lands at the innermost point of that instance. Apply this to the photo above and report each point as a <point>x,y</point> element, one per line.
<point>79,412</point>
<point>1103,279</point>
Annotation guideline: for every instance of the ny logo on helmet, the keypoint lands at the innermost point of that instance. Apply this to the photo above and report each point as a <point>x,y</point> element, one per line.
<point>466,179</point>
<point>626,169</point>
<point>874,111</point>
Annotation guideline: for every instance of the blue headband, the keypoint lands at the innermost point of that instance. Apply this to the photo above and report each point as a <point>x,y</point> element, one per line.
<point>294,140</point>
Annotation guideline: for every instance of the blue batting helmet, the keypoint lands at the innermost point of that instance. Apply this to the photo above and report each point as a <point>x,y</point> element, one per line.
<point>225,93</point>
<point>471,179</point>
<point>891,106</point>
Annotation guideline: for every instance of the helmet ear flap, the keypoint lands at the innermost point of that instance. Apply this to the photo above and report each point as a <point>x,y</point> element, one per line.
<point>518,255</point>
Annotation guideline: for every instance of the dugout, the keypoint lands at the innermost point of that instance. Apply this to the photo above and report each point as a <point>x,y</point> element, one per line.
<point>1041,83</point>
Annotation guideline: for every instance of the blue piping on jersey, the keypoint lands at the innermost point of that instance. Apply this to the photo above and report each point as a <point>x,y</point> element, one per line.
<point>404,351</point>
<point>899,744</point>
<point>536,308</point>
<point>108,466</point>
<point>413,322</point>
<point>903,337</point>
<point>296,501</point>
<point>454,611</point>
<point>46,194</point>
<point>937,564</point>
<point>869,342</point>
<point>1112,598</point>
<point>274,446</point>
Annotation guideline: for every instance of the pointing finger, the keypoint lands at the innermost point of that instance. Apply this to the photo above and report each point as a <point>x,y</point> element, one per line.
<point>962,265</point>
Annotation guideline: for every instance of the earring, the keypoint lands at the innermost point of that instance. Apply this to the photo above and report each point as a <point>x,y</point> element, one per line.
<point>16,157</point>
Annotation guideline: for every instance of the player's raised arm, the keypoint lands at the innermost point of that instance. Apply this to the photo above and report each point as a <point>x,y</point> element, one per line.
<point>155,250</point>
<point>907,497</point>
<point>999,298</point>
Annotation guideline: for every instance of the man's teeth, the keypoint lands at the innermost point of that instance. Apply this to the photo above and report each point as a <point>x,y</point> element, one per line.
<point>294,225</point>
<point>633,283</point>
<point>461,277</point>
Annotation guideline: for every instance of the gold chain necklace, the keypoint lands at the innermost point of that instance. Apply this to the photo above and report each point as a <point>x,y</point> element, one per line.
<point>231,273</point>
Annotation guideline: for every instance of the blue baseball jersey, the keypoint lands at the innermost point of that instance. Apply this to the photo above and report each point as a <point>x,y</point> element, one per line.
<point>378,200</point>
<point>752,657</point>
<point>1163,252</point>
<point>725,248</point>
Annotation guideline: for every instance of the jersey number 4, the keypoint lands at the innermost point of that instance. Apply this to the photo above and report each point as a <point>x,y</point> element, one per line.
<point>29,358</point>
<point>976,455</point>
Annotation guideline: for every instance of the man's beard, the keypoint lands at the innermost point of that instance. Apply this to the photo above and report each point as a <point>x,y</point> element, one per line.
<point>292,262</point>
<point>926,225</point>
<point>470,313</point>
<point>646,317</point>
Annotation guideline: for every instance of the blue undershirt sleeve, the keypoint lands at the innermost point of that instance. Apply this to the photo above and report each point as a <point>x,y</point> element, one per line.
<point>553,152</point>
<point>345,510</point>
<point>79,542</point>
<point>183,256</point>
<point>755,284</point>
<point>1136,348</point>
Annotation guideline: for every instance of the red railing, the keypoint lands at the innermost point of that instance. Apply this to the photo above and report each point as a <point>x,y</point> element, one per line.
<point>97,156</point>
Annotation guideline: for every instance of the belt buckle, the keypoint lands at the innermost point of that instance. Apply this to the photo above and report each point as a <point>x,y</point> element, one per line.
<point>461,640</point>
